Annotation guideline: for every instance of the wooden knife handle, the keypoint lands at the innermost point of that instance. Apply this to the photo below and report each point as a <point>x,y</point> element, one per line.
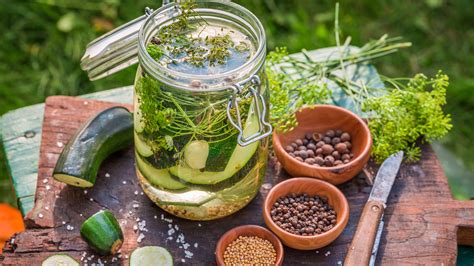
<point>360,249</point>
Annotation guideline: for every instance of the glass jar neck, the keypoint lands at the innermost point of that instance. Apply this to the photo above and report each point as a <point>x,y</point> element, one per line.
<point>226,12</point>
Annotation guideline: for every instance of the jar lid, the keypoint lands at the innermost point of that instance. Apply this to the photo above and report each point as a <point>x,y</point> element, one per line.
<point>114,51</point>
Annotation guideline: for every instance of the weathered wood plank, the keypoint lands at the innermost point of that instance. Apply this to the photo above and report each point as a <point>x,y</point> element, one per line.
<point>20,132</point>
<point>423,222</point>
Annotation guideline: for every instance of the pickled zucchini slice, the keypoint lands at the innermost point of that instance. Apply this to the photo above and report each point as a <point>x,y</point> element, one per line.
<point>142,148</point>
<point>157,177</point>
<point>238,159</point>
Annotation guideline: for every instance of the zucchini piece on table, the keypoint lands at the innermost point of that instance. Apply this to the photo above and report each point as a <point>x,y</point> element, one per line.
<point>150,256</point>
<point>103,233</point>
<point>107,132</point>
<point>60,260</point>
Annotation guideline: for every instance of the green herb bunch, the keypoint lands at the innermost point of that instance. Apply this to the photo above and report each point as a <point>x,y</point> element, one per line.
<point>287,94</point>
<point>409,112</point>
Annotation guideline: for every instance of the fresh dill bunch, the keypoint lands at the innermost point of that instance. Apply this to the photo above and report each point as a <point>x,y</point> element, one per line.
<point>287,95</point>
<point>410,112</point>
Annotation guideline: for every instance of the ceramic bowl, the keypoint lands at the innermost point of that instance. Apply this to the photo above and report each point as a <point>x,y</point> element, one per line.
<point>248,230</point>
<point>320,118</point>
<point>312,187</point>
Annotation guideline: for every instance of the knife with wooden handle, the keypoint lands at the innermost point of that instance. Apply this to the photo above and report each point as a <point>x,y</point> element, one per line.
<point>369,228</point>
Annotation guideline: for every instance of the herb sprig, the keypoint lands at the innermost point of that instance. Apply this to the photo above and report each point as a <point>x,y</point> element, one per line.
<point>410,111</point>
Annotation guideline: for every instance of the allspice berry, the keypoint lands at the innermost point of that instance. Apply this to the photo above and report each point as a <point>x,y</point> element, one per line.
<point>319,161</point>
<point>327,149</point>
<point>345,137</point>
<point>330,133</point>
<point>341,147</point>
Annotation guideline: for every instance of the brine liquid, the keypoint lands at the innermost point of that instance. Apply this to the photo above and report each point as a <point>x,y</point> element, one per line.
<point>193,167</point>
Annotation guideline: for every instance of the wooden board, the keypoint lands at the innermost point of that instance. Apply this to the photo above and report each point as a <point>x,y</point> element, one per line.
<point>422,222</point>
<point>20,133</point>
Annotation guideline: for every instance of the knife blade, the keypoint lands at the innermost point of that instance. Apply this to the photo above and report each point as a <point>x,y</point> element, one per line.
<point>362,246</point>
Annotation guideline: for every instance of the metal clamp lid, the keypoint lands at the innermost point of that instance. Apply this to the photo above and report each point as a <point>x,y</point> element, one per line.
<point>264,128</point>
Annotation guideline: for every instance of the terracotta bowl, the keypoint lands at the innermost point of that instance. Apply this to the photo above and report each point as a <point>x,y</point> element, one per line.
<point>248,230</point>
<point>312,187</point>
<point>320,118</point>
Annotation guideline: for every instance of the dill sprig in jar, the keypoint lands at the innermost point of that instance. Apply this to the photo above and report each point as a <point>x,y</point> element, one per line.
<point>200,104</point>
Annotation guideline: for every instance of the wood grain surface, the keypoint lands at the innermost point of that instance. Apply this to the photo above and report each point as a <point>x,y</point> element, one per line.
<point>422,221</point>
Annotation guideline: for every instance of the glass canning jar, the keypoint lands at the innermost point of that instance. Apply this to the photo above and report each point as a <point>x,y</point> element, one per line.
<point>201,141</point>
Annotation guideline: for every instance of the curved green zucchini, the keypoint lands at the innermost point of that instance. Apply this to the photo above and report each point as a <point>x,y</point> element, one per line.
<point>60,260</point>
<point>107,132</point>
<point>103,233</point>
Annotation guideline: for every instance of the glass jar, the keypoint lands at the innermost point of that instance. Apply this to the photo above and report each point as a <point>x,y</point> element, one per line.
<point>201,141</point>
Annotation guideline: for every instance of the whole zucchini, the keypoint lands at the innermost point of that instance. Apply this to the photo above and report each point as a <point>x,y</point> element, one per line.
<point>107,132</point>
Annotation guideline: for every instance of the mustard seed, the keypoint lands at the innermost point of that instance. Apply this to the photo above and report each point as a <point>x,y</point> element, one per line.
<point>250,250</point>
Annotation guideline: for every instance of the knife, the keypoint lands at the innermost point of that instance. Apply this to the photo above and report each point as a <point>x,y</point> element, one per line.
<point>370,224</point>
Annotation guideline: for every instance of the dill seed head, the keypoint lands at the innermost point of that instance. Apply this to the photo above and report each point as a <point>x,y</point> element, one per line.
<point>250,250</point>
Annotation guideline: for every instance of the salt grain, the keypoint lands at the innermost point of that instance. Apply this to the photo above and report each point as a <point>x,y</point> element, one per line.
<point>40,215</point>
<point>91,199</point>
<point>85,191</point>
<point>199,225</point>
<point>140,237</point>
<point>64,222</point>
<point>46,208</point>
<point>136,192</point>
<point>136,205</point>
<point>141,193</point>
<point>107,175</point>
<point>195,245</point>
<point>124,182</point>
<point>60,144</point>
<point>48,187</point>
<point>45,181</point>
<point>183,260</point>
<point>156,217</point>
<point>188,254</point>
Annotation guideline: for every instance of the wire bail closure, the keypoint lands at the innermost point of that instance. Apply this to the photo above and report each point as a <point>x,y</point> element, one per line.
<point>265,129</point>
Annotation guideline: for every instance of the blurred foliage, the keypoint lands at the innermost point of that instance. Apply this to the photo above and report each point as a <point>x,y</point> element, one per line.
<point>43,41</point>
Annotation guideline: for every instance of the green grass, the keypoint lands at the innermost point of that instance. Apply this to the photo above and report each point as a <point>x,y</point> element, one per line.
<point>43,41</point>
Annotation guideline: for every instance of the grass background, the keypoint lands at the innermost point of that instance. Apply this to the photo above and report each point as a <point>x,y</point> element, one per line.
<point>43,41</point>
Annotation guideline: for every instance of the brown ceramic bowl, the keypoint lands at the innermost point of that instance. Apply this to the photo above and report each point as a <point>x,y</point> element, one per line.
<point>320,118</point>
<point>312,187</point>
<point>248,230</point>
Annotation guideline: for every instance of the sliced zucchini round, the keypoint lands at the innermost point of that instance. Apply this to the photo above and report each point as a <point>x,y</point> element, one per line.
<point>139,125</point>
<point>196,153</point>
<point>158,177</point>
<point>60,260</point>
<point>107,132</point>
<point>151,256</point>
<point>142,148</point>
<point>103,233</point>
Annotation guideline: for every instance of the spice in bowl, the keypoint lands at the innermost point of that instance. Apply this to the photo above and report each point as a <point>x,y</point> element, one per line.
<point>250,250</point>
<point>330,149</point>
<point>303,215</point>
